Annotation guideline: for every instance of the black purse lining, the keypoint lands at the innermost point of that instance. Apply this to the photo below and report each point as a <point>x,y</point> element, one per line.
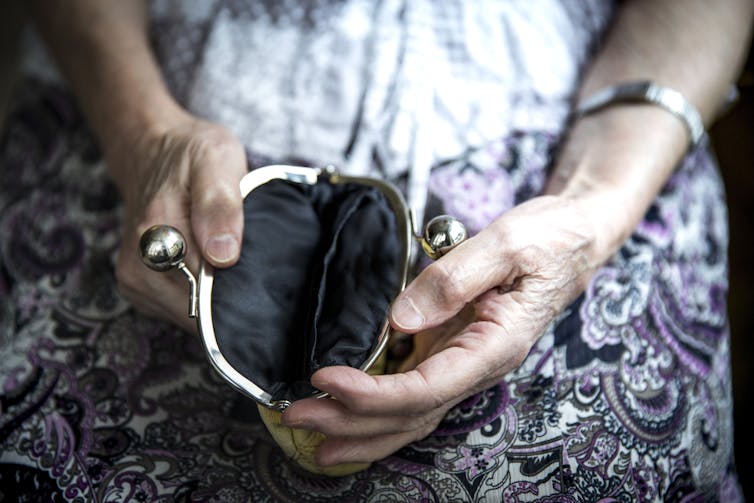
<point>319,267</point>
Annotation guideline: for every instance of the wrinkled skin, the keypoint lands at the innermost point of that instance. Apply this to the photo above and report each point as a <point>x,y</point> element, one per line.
<point>483,307</point>
<point>188,177</point>
<point>484,304</point>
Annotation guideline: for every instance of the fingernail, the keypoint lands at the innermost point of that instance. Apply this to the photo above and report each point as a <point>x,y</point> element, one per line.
<point>222,248</point>
<point>406,315</point>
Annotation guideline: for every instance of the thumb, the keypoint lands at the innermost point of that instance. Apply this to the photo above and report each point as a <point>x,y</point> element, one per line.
<point>446,286</point>
<point>217,205</point>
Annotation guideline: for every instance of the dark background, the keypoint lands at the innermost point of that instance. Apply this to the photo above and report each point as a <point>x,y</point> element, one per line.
<point>733,139</point>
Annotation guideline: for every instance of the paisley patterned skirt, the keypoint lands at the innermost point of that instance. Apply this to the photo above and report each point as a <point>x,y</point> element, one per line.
<point>626,397</point>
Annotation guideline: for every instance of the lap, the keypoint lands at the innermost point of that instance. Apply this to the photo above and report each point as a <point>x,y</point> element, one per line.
<point>628,393</point>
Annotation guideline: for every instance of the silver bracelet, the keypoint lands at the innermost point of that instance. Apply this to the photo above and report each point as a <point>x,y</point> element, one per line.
<point>649,92</point>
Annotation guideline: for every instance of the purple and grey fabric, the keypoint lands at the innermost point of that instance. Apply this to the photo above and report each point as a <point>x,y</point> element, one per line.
<point>625,397</point>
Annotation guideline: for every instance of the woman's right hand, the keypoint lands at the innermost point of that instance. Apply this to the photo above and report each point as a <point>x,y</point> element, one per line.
<point>185,173</point>
<point>170,167</point>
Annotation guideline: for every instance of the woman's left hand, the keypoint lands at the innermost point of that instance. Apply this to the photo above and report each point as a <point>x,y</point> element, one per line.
<point>476,313</point>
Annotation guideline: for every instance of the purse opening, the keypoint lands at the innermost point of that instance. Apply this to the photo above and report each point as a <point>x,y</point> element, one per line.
<point>319,266</point>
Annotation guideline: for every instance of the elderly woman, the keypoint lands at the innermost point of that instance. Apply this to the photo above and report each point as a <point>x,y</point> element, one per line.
<point>574,349</point>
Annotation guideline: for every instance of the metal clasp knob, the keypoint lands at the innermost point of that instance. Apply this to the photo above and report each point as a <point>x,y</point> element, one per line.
<point>442,234</point>
<point>163,248</point>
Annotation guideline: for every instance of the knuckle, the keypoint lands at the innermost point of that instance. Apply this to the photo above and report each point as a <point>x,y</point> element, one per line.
<point>530,258</point>
<point>449,288</point>
<point>218,196</point>
<point>427,428</point>
<point>361,405</point>
<point>430,399</point>
<point>413,423</point>
<point>423,425</point>
<point>539,301</point>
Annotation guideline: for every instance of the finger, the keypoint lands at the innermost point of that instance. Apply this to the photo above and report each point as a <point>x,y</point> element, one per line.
<point>375,405</point>
<point>335,450</point>
<point>431,341</point>
<point>524,312</point>
<point>157,294</point>
<point>168,207</point>
<point>444,378</point>
<point>216,203</point>
<point>332,418</point>
<point>446,286</point>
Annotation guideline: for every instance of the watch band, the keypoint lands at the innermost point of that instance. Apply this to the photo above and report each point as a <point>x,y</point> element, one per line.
<point>649,92</point>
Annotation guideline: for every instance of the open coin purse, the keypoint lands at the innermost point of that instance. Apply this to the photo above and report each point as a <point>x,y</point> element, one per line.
<point>322,258</point>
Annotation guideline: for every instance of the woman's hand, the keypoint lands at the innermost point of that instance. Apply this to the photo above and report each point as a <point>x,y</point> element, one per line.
<point>171,168</point>
<point>185,174</point>
<point>478,310</point>
<point>476,313</point>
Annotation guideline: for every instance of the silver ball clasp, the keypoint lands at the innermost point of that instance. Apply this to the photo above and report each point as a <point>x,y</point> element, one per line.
<point>163,248</point>
<point>442,234</point>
